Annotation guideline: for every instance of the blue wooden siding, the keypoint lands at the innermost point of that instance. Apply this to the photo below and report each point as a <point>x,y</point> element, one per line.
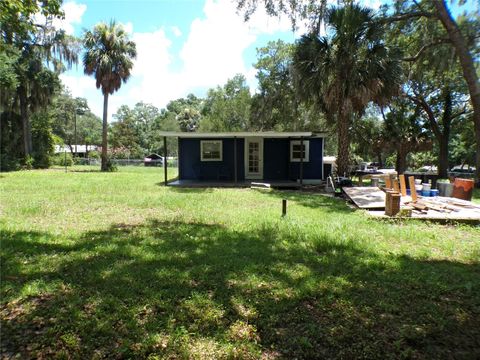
<point>313,169</point>
<point>192,168</point>
<point>276,161</point>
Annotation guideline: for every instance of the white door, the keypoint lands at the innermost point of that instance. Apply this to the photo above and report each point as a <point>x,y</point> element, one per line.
<point>253,158</point>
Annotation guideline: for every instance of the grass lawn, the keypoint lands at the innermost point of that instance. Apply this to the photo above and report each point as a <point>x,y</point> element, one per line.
<point>115,265</point>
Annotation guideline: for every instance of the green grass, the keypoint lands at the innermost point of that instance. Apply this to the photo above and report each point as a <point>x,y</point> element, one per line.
<point>116,265</point>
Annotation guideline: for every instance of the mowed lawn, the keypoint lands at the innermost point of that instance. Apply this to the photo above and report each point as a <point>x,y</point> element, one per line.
<point>115,265</point>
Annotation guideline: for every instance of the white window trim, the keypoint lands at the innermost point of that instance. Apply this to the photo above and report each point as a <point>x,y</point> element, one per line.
<point>202,142</point>
<point>306,143</point>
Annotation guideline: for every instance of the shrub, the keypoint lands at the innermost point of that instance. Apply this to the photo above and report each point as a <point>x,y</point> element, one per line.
<point>29,160</point>
<point>94,154</point>
<point>111,166</point>
<point>62,160</point>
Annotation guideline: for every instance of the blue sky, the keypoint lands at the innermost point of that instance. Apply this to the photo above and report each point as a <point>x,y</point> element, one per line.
<point>184,46</point>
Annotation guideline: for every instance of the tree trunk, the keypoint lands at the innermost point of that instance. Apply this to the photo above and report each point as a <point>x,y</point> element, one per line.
<point>343,144</point>
<point>444,139</point>
<point>401,161</point>
<point>443,164</point>
<point>468,68</point>
<point>27,132</point>
<point>104,132</point>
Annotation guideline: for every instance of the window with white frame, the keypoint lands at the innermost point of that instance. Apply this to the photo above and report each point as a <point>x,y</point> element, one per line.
<point>299,151</point>
<point>211,150</point>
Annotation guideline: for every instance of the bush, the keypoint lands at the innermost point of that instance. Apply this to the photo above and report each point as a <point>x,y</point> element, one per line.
<point>94,154</point>
<point>60,159</point>
<point>111,166</point>
<point>29,160</point>
<point>42,140</point>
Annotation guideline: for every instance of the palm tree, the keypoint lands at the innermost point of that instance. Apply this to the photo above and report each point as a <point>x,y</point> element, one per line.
<point>342,72</point>
<point>109,57</point>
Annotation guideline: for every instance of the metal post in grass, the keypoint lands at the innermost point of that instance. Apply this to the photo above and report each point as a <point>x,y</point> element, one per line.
<point>165,159</point>
<point>284,207</point>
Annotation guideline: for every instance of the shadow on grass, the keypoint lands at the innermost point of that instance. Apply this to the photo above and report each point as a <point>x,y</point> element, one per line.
<point>194,290</point>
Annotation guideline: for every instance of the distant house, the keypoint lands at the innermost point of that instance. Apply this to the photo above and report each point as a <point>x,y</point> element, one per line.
<point>240,158</point>
<point>79,150</point>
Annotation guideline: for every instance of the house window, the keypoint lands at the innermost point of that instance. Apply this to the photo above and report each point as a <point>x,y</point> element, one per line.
<point>299,151</point>
<point>211,150</point>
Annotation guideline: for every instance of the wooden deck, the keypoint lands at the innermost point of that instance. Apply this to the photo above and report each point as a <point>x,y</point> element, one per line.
<point>366,197</point>
<point>466,215</point>
<point>231,184</point>
<point>437,208</point>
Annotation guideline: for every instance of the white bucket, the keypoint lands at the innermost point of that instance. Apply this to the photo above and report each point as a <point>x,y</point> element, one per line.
<point>426,187</point>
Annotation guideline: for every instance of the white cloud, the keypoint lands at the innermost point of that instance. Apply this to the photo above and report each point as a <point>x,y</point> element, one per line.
<point>176,31</point>
<point>128,27</point>
<point>84,86</point>
<point>73,15</point>
<point>213,51</point>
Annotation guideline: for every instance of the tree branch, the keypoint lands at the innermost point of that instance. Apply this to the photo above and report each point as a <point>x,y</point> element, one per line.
<point>417,99</point>
<point>425,47</point>
<point>407,16</point>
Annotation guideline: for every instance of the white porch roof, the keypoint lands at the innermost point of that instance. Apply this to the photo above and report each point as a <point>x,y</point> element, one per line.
<point>262,134</point>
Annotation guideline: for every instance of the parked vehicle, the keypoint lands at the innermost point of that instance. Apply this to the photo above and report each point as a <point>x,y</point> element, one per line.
<point>462,171</point>
<point>153,160</point>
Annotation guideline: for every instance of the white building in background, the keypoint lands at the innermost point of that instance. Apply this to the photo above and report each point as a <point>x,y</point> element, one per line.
<point>80,150</point>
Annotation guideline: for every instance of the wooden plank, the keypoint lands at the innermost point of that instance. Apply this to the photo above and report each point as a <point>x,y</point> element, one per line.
<point>388,182</point>
<point>366,197</point>
<point>413,192</point>
<point>403,186</point>
<point>395,185</point>
<point>261,185</point>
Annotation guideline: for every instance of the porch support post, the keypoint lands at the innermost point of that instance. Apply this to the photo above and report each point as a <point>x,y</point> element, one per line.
<point>302,154</point>
<point>235,160</point>
<point>289,170</point>
<point>178,159</point>
<point>165,159</point>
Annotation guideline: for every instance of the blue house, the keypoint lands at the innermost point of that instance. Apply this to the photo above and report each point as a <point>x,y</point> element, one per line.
<point>281,159</point>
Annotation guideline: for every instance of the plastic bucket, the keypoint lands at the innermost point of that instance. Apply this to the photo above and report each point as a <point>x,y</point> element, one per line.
<point>426,189</point>
<point>463,189</point>
<point>434,192</point>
